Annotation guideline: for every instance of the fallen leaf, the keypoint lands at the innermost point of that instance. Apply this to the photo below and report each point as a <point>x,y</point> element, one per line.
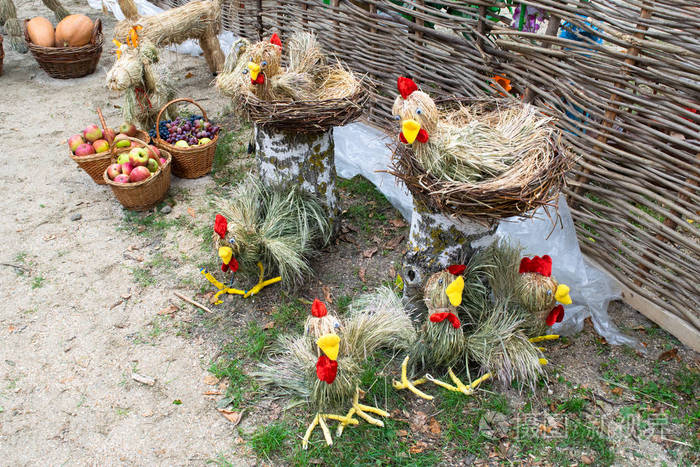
<point>11,328</point>
<point>190,211</point>
<point>169,310</point>
<point>394,242</point>
<point>402,432</point>
<point>143,379</point>
<point>126,296</point>
<point>397,222</point>
<point>669,355</point>
<point>268,325</point>
<point>231,415</point>
<point>434,426</point>
<point>177,402</point>
<point>376,240</point>
<point>361,274</point>
<point>188,75</point>
<point>398,283</point>
<point>586,460</point>
<point>327,294</point>
<point>115,304</point>
<point>418,447</point>
<point>212,393</point>
<point>617,391</point>
<point>211,380</point>
<point>369,253</point>
<point>391,271</point>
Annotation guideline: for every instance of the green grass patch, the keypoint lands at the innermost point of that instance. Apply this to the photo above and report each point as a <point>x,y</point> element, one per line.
<point>574,405</point>
<point>38,281</point>
<point>240,385</point>
<point>268,439</point>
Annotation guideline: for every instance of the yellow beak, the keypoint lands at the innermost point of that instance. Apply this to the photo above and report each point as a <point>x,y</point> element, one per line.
<point>254,70</point>
<point>562,294</point>
<point>330,344</point>
<point>455,289</point>
<point>225,253</point>
<point>410,129</point>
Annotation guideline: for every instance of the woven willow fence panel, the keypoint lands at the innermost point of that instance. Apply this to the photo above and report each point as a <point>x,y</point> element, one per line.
<point>623,82</point>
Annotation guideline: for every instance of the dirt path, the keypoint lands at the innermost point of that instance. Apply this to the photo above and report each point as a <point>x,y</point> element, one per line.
<point>66,352</point>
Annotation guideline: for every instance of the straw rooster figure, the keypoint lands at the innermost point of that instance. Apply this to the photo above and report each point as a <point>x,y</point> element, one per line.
<point>258,69</point>
<point>323,366</point>
<point>465,144</point>
<point>540,291</point>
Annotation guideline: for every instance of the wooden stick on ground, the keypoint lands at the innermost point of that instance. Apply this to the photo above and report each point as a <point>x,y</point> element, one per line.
<point>192,302</point>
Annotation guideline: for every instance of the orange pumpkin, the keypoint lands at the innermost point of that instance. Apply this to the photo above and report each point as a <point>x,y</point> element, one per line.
<point>74,31</point>
<point>41,32</point>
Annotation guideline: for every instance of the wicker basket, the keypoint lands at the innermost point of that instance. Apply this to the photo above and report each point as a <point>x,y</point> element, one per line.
<point>141,135</point>
<point>145,194</point>
<point>68,62</point>
<point>95,164</point>
<point>191,162</point>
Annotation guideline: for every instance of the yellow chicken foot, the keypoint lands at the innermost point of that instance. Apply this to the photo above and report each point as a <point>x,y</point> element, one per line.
<point>361,410</point>
<point>342,426</point>
<point>318,420</point>
<point>460,386</point>
<point>309,430</point>
<point>548,337</point>
<point>261,283</point>
<point>411,386</point>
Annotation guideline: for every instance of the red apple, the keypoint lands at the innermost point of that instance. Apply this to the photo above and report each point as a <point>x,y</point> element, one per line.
<point>163,160</point>
<point>75,141</point>
<point>138,156</point>
<point>85,149</point>
<point>139,173</point>
<point>121,178</point>
<point>114,170</point>
<point>153,152</point>
<point>122,141</point>
<point>128,129</point>
<point>92,133</point>
<point>101,145</point>
<point>109,134</point>
<point>127,167</point>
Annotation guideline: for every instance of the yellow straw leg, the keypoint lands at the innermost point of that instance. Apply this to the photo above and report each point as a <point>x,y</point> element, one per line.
<point>541,349</point>
<point>309,430</point>
<point>406,384</point>
<point>367,408</point>
<point>212,279</point>
<point>543,361</point>
<point>442,384</point>
<point>368,418</point>
<point>341,418</point>
<point>548,337</point>
<point>342,426</point>
<point>326,432</point>
<point>274,280</point>
<point>480,380</point>
<point>458,382</point>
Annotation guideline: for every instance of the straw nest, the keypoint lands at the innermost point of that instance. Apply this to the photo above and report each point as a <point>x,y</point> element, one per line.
<point>486,160</point>
<point>308,95</point>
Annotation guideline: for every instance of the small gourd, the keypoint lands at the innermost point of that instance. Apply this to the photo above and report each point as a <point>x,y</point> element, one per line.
<point>40,31</point>
<point>74,31</point>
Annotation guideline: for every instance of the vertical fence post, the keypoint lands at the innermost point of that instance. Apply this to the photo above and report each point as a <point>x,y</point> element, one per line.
<point>552,28</point>
<point>260,20</point>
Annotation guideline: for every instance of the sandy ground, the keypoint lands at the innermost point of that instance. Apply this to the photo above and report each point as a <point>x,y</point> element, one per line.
<point>75,324</point>
<point>66,356</point>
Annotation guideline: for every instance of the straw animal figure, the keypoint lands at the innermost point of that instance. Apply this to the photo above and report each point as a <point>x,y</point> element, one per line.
<point>467,144</point>
<point>146,84</point>
<point>493,329</point>
<point>13,27</point>
<point>256,71</point>
<point>322,368</point>
<point>198,20</point>
<point>274,228</point>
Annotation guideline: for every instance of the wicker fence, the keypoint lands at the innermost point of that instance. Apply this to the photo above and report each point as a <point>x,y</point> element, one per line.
<point>621,76</point>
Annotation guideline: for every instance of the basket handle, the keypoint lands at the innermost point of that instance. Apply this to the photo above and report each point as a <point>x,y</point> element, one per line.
<point>96,31</point>
<point>26,32</point>
<point>102,120</point>
<point>145,145</point>
<point>181,99</point>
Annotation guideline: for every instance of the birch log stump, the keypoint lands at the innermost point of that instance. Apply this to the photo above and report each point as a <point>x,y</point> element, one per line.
<point>307,160</point>
<point>437,241</point>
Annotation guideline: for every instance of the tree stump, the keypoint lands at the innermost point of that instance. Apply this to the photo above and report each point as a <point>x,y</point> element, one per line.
<point>437,241</point>
<point>287,158</point>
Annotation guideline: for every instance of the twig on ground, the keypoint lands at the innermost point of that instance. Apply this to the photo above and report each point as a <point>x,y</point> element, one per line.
<point>192,302</point>
<point>638,392</point>
<point>16,266</point>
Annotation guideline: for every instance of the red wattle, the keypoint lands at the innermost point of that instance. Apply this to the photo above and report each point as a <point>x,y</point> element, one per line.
<point>422,136</point>
<point>451,317</point>
<point>402,138</point>
<point>326,369</point>
<point>556,315</point>
<point>259,80</point>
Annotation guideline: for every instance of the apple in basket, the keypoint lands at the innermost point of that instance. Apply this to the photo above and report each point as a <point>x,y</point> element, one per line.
<point>122,141</point>
<point>101,145</point>
<point>109,135</point>
<point>127,167</point>
<point>182,144</point>
<point>139,174</point>
<point>123,158</point>
<point>163,160</point>
<point>114,170</point>
<point>138,156</point>
<point>153,152</point>
<point>84,149</point>
<point>128,129</point>
<point>75,141</point>
<point>92,133</point>
<point>121,178</point>
<point>204,141</point>
<point>152,165</point>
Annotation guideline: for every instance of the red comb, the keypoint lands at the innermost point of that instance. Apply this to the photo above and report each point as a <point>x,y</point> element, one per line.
<point>220,225</point>
<point>406,86</point>
<point>275,39</point>
<point>457,269</point>
<point>538,265</point>
<point>318,309</point>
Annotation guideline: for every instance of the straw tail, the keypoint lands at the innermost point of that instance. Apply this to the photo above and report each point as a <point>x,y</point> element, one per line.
<point>238,48</point>
<point>499,345</point>
<point>290,370</point>
<point>305,54</point>
<point>378,320</point>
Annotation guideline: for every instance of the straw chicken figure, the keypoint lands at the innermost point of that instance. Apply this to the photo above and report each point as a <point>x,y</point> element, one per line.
<point>464,144</point>
<point>539,292</point>
<point>490,294</point>
<point>267,229</point>
<point>322,367</point>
